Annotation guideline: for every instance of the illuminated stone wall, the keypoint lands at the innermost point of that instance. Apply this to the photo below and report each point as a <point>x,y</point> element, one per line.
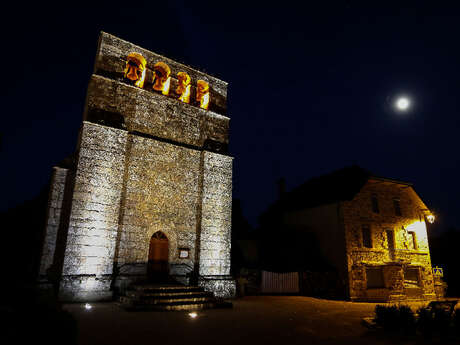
<point>146,162</point>
<point>216,215</point>
<point>151,113</point>
<point>93,223</point>
<point>55,205</point>
<point>215,240</point>
<point>358,212</point>
<point>111,61</point>
<point>162,194</point>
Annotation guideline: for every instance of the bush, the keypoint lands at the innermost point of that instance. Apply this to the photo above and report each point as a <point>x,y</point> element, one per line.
<point>425,321</point>
<point>431,321</point>
<point>407,320</point>
<point>395,318</point>
<point>442,320</point>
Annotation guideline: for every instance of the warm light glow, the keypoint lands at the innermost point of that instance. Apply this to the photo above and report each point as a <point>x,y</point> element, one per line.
<point>88,306</point>
<point>165,90</point>
<point>193,315</point>
<point>202,94</point>
<point>430,218</point>
<point>402,103</point>
<point>135,69</point>
<point>418,227</point>
<point>161,78</point>
<point>183,89</point>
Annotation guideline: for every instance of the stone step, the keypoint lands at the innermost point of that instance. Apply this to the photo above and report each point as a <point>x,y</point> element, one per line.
<point>160,295</point>
<point>166,289</point>
<point>169,297</point>
<point>166,300</point>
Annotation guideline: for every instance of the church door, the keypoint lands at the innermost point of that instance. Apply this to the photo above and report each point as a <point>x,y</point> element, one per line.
<point>158,267</point>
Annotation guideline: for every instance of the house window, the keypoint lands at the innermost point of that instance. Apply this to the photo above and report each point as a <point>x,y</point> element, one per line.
<point>367,236</point>
<point>374,277</point>
<point>397,207</point>
<point>413,240</point>
<point>375,203</point>
<point>411,277</point>
<point>391,239</point>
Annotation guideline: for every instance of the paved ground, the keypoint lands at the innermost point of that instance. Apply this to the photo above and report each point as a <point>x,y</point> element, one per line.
<point>254,319</point>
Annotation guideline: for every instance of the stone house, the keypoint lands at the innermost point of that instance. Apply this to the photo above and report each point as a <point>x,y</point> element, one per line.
<point>147,195</point>
<point>371,230</point>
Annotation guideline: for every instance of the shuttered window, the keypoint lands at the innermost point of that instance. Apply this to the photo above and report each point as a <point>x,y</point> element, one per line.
<point>411,278</point>
<point>367,236</point>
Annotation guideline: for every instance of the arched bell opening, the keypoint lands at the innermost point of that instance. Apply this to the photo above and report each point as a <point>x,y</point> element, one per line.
<point>158,265</point>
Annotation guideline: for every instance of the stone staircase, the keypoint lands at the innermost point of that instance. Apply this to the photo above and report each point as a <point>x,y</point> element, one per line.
<point>169,297</point>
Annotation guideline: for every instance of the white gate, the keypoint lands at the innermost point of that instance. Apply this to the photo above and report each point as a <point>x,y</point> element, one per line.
<point>273,282</point>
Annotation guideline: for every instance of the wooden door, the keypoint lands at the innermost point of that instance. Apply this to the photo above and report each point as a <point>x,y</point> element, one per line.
<point>158,265</point>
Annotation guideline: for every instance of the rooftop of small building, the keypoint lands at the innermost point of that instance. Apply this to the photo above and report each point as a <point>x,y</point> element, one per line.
<point>340,185</point>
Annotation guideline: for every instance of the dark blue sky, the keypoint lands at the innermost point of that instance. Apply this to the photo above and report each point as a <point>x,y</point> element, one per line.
<point>310,88</point>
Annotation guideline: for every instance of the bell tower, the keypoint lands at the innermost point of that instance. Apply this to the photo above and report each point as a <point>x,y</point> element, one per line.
<point>152,157</point>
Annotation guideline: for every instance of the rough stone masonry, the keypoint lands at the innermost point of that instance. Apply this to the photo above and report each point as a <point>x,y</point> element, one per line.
<point>145,162</point>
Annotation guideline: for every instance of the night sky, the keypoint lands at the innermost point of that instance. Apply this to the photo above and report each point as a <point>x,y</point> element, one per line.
<point>311,89</point>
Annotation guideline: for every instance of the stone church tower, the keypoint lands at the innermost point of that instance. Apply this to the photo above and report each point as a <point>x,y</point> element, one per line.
<point>148,193</point>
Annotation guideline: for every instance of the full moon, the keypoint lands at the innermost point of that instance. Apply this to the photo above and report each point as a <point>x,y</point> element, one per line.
<point>402,103</point>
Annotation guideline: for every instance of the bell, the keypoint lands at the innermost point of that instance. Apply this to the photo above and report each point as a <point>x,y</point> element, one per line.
<point>135,69</point>
<point>161,77</point>
<point>183,89</point>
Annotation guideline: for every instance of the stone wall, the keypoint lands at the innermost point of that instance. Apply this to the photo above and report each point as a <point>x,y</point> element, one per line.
<point>59,179</point>
<point>138,110</point>
<point>216,215</point>
<point>93,223</point>
<point>111,61</point>
<point>215,234</point>
<point>358,212</point>
<point>161,194</point>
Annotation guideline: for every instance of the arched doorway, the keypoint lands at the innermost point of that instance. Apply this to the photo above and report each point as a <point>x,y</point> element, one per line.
<point>158,267</point>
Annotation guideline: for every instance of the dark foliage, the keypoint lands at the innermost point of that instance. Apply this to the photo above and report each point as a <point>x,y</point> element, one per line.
<point>434,322</point>
<point>407,320</point>
<point>33,315</point>
<point>444,253</point>
<point>425,322</point>
<point>244,248</point>
<point>322,284</point>
<point>429,321</point>
<point>24,227</point>
<point>388,317</point>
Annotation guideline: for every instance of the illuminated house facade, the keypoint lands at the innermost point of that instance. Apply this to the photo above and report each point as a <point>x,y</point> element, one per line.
<point>372,230</point>
<point>148,193</point>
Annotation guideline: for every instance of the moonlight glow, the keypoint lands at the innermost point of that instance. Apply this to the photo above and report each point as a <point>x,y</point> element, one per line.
<point>402,103</point>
